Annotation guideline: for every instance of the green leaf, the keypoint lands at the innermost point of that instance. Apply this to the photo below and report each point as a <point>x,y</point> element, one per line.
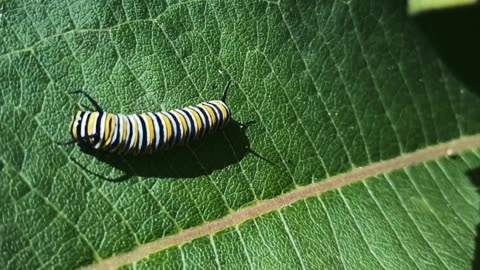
<point>336,88</point>
<point>393,221</point>
<point>419,6</point>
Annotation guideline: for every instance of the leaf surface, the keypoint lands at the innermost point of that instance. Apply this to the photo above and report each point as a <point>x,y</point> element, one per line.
<point>393,221</point>
<point>332,86</point>
<point>419,6</point>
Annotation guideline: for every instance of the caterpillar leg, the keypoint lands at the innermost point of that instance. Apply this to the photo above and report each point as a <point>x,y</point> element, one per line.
<point>92,100</point>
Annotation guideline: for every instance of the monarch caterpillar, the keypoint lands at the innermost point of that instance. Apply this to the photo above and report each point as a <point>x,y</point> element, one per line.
<point>147,132</point>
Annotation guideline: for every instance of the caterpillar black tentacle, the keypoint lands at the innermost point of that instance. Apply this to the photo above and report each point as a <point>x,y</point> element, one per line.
<point>148,132</point>
<point>92,100</point>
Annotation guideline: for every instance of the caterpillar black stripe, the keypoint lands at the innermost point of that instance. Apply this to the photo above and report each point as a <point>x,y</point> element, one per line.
<point>147,132</point>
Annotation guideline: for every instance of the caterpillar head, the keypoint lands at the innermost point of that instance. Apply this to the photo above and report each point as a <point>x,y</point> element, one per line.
<point>85,128</point>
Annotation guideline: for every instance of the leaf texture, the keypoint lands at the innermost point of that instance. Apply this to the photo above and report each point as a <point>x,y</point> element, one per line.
<point>332,86</point>
<point>393,221</point>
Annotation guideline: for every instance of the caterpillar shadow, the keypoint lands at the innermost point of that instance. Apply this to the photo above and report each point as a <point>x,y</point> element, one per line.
<point>474,176</point>
<point>202,157</point>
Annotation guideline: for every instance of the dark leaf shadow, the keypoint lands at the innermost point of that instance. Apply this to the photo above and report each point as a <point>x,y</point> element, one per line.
<point>454,35</point>
<point>215,152</point>
<point>474,176</point>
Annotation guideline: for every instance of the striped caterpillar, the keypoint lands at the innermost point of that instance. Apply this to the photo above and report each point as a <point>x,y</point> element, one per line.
<point>146,133</point>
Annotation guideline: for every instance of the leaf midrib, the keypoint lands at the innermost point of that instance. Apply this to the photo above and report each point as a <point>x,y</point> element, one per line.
<point>358,174</point>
